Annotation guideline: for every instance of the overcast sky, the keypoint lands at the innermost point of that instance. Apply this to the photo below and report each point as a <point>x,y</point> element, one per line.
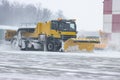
<point>88,13</point>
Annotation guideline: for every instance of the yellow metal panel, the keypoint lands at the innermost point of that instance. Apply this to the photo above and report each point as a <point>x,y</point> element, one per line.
<point>68,33</point>
<point>46,28</point>
<point>9,34</point>
<point>41,28</point>
<point>100,46</point>
<point>55,33</point>
<point>81,46</point>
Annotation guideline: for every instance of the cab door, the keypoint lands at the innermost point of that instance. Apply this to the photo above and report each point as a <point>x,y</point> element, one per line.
<point>54,29</point>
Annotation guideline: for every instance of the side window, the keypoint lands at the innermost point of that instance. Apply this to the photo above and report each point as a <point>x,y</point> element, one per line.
<point>54,25</point>
<point>62,26</point>
<point>72,26</point>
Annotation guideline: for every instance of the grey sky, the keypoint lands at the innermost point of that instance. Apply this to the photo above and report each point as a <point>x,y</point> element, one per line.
<point>88,13</point>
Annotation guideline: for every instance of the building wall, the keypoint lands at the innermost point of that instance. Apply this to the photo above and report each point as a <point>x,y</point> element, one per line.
<point>111,16</point>
<point>111,21</point>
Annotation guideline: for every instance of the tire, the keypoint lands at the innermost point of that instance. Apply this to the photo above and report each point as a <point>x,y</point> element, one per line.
<point>58,46</point>
<point>13,43</point>
<point>32,48</point>
<point>24,49</point>
<point>50,46</point>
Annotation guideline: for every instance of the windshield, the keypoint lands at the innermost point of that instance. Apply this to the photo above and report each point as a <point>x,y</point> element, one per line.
<point>31,30</point>
<point>67,26</point>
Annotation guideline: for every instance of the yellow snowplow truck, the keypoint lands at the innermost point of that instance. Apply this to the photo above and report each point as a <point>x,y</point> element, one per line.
<point>54,35</point>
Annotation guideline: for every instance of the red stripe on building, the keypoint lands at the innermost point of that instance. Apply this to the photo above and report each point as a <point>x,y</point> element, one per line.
<point>116,23</point>
<point>107,7</point>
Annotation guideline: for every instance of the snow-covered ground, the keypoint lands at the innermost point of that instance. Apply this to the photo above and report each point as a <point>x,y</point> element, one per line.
<point>37,65</point>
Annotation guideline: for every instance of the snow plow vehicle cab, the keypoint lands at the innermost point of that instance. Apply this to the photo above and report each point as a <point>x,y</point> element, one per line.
<point>48,36</point>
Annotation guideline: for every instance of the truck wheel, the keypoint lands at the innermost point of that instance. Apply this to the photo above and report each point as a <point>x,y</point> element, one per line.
<point>50,46</point>
<point>24,49</point>
<point>14,43</point>
<point>32,47</point>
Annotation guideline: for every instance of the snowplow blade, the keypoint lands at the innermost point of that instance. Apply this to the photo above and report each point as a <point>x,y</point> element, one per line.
<point>100,46</point>
<point>80,44</point>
